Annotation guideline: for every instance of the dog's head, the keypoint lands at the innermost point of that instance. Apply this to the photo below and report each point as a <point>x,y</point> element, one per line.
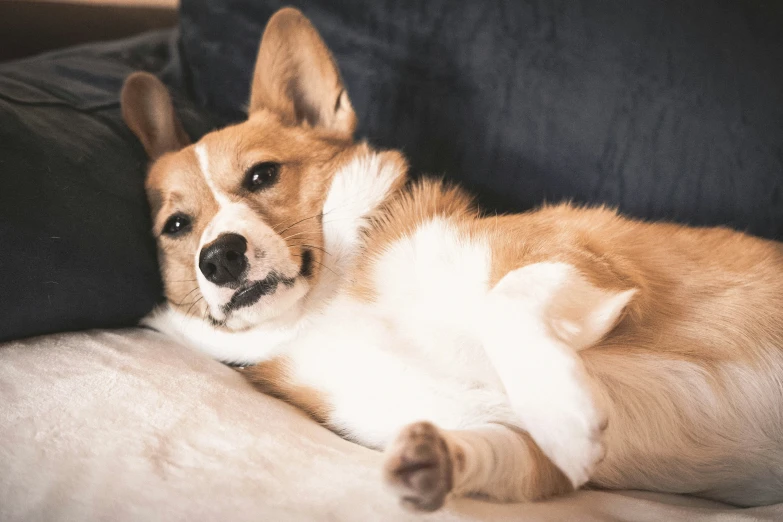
<point>238,215</point>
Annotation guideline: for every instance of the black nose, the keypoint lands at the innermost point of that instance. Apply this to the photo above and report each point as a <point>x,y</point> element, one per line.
<point>223,261</point>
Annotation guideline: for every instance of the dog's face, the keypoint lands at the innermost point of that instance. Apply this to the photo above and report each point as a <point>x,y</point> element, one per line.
<point>238,215</point>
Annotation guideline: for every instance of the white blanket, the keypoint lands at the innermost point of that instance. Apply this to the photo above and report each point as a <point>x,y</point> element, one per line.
<point>125,425</point>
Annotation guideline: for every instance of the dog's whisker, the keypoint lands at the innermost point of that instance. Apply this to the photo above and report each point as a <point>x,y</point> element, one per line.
<point>326,267</point>
<point>319,263</point>
<point>187,314</point>
<point>309,232</point>
<point>186,296</point>
<point>336,219</point>
<point>296,223</point>
<point>309,246</point>
<point>294,235</point>
<point>204,318</point>
<point>322,214</point>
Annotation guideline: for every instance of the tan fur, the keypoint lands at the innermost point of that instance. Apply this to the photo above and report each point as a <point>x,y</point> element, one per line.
<point>679,271</point>
<point>173,184</point>
<point>297,78</point>
<point>273,377</point>
<point>148,111</point>
<point>400,216</point>
<point>690,375</point>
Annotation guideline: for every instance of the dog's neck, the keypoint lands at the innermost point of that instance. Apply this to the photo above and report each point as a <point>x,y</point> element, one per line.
<point>359,188</point>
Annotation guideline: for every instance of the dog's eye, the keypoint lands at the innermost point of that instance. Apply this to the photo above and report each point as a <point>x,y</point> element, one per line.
<point>176,225</point>
<point>261,176</point>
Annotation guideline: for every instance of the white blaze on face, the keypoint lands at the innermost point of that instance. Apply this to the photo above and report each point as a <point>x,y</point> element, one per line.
<point>266,250</point>
<point>203,162</point>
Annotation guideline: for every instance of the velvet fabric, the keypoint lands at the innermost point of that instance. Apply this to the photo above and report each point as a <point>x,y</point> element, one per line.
<point>125,426</point>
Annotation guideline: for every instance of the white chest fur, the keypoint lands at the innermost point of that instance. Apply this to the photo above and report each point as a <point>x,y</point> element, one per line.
<point>410,355</point>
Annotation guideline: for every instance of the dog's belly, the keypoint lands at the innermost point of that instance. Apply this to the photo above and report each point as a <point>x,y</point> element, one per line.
<point>411,353</point>
<point>376,380</point>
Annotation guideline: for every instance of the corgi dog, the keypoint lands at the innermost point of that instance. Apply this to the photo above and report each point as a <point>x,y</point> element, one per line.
<point>514,357</point>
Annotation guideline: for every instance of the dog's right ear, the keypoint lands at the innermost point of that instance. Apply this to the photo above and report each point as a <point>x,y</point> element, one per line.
<point>148,111</point>
<point>296,76</point>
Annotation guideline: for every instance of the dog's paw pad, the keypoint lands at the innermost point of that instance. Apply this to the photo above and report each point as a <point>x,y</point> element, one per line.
<point>418,467</point>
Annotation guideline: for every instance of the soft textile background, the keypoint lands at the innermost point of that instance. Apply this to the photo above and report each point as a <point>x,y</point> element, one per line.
<point>126,426</point>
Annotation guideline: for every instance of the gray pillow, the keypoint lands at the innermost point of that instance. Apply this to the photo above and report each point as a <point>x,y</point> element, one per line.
<point>77,251</point>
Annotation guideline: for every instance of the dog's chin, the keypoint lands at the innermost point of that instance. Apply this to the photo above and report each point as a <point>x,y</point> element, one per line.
<point>258,302</point>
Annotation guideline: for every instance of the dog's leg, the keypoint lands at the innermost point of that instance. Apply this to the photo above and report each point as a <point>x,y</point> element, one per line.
<point>533,324</point>
<point>426,464</point>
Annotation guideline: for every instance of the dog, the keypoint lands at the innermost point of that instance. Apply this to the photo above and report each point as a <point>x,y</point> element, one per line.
<point>515,357</point>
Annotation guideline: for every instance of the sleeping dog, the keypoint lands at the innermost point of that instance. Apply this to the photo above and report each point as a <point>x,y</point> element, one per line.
<point>515,357</point>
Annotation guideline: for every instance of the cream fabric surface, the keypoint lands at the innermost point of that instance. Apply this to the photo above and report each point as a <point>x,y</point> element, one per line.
<point>125,425</point>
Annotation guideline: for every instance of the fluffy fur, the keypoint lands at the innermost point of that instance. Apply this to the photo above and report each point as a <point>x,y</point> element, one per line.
<point>516,357</point>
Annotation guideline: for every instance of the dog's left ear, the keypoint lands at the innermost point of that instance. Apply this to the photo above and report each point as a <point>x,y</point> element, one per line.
<point>296,76</point>
<point>149,112</point>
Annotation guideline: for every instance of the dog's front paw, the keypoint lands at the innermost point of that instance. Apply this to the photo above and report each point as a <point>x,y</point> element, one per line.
<point>418,467</point>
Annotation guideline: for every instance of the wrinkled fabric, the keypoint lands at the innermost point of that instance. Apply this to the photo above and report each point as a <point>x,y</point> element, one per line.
<point>126,426</point>
<point>77,251</point>
<point>668,109</point>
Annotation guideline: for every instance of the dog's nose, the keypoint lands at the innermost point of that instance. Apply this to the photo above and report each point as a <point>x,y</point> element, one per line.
<point>223,261</point>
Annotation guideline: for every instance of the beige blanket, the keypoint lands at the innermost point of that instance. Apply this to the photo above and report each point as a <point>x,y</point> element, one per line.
<point>125,425</point>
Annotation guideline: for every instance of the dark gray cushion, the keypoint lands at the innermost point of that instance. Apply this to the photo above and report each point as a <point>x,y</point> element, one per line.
<point>74,223</point>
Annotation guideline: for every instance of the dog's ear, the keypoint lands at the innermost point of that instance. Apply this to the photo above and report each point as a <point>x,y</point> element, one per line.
<point>296,76</point>
<point>148,111</point>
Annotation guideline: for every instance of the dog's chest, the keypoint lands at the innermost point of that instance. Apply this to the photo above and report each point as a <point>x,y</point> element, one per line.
<point>412,353</point>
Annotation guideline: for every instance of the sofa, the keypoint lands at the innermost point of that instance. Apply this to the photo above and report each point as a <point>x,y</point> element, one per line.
<point>668,110</point>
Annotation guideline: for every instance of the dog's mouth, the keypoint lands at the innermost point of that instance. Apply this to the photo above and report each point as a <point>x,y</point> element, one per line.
<point>250,292</point>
